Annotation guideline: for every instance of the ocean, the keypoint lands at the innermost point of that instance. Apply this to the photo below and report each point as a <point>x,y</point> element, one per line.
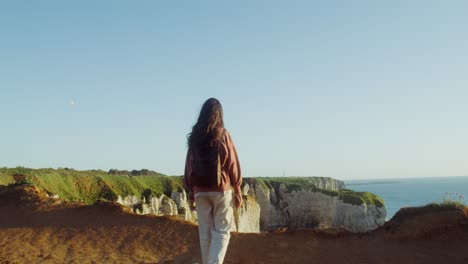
<point>398,193</point>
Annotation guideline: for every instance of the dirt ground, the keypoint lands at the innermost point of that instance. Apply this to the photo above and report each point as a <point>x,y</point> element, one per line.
<point>38,229</point>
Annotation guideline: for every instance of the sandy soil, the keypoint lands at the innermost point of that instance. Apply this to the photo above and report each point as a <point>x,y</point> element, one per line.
<point>38,229</point>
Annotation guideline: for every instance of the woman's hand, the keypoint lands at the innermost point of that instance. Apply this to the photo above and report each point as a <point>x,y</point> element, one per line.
<point>238,200</point>
<point>191,204</point>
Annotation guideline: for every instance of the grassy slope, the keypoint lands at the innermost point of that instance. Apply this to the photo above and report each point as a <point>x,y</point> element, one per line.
<point>89,186</point>
<point>6,179</point>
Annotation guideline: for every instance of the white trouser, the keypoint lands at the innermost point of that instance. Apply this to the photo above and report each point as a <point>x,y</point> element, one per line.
<point>214,213</point>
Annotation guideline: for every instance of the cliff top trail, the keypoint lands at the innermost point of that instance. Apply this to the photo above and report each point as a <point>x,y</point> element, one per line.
<point>35,228</point>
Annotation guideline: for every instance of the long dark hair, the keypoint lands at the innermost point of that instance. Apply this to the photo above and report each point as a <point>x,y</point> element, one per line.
<point>206,131</point>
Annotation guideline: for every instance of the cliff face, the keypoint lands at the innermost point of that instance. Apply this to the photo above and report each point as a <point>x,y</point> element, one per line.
<point>247,218</point>
<point>301,208</point>
<point>358,218</point>
<point>279,205</point>
<point>328,183</point>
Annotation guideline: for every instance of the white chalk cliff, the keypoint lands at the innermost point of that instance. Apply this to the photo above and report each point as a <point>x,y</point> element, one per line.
<point>269,208</point>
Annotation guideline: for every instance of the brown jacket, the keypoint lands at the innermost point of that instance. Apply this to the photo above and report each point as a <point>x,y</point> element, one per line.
<point>230,173</point>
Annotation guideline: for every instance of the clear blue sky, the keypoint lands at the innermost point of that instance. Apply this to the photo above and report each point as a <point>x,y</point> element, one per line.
<point>347,89</point>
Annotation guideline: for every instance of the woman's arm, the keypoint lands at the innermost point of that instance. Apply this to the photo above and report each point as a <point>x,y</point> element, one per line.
<point>234,170</point>
<point>233,165</point>
<point>188,182</point>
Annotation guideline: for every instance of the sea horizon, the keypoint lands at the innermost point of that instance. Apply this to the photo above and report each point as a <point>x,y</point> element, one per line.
<point>411,192</point>
<point>397,178</point>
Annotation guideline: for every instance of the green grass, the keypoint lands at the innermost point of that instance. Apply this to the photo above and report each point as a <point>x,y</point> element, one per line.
<point>90,186</point>
<point>359,198</point>
<point>309,183</point>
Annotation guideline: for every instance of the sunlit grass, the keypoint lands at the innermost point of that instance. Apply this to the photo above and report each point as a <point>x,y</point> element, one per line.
<point>90,186</point>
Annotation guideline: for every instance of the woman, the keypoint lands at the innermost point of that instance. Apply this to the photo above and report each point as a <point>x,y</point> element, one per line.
<point>213,200</point>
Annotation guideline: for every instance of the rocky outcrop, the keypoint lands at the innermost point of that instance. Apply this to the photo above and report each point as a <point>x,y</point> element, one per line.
<point>183,209</point>
<point>131,201</point>
<point>163,205</point>
<point>247,217</point>
<point>167,206</point>
<point>151,206</point>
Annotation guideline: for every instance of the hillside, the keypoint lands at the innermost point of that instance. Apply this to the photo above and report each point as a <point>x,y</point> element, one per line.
<point>35,228</point>
<point>90,186</point>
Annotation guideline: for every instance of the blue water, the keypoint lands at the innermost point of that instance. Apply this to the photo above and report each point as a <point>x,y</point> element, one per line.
<point>398,193</point>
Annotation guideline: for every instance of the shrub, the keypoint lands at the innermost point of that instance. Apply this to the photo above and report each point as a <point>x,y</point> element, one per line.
<point>453,198</point>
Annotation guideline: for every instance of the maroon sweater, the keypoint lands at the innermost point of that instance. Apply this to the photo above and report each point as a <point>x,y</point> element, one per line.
<point>230,172</point>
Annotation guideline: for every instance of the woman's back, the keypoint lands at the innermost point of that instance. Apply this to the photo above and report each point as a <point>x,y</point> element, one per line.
<point>209,143</point>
